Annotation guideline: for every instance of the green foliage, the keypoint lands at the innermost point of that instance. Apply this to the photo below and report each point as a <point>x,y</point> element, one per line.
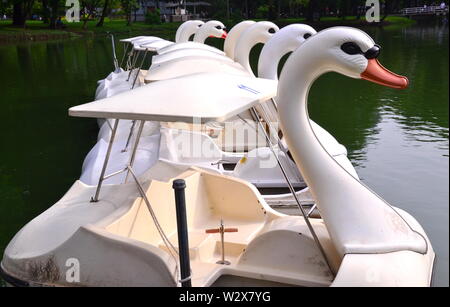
<point>262,12</point>
<point>238,10</point>
<point>128,7</point>
<point>153,17</point>
<point>5,8</point>
<point>236,16</point>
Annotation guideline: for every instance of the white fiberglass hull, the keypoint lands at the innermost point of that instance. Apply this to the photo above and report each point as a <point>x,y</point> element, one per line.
<point>77,243</point>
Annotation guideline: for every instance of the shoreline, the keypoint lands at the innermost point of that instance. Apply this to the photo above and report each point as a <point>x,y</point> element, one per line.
<point>36,31</point>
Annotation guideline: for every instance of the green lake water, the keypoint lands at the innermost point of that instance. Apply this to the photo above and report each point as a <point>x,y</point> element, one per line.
<point>398,140</point>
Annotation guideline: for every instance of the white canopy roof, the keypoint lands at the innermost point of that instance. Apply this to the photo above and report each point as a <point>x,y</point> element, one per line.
<point>137,43</point>
<point>156,45</point>
<point>206,96</point>
<point>131,39</point>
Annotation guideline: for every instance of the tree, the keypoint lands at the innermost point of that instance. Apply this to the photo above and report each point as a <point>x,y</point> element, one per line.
<point>128,7</point>
<point>21,11</point>
<point>57,9</point>
<point>104,13</point>
<point>89,7</point>
<point>45,11</point>
<point>313,10</point>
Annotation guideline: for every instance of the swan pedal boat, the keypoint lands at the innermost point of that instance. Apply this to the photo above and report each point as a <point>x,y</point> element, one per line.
<point>117,237</point>
<point>246,34</point>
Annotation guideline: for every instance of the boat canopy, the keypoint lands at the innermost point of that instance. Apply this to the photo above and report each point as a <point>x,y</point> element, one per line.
<point>204,96</point>
<point>135,38</point>
<point>156,45</point>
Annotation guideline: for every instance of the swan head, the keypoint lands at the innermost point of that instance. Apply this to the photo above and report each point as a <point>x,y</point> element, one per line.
<point>261,32</point>
<point>215,29</point>
<point>353,53</point>
<point>286,40</point>
<point>187,29</point>
<point>292,36</point>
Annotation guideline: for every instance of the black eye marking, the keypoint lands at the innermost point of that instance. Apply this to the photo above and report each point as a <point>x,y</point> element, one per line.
<point>272,31</point>
<point>219,28</point>
<point>351,48</point>
<point>307,35</point>
<point>373,52</point>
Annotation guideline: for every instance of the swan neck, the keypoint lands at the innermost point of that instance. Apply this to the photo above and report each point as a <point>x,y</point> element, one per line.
<point>233,37</point>
<point>293,88</point>
<point>358,220</point>
<point>269,60</point>
<point>243,49</point>
<point>184,36</point>
<point>201,35</point>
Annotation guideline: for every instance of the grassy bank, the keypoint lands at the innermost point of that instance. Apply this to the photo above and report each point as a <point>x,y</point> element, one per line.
<point>38,31</point>
<point>34,31</point>
<point>351,21</point>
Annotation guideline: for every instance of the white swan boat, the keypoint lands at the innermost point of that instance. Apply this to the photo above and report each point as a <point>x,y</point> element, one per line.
<point>227,162</point>
<point>124,236</point>
<point>119,79</point>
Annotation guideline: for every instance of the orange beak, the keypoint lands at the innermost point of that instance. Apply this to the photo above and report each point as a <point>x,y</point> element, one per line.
<point>224,35</point>
<point>376,73</point>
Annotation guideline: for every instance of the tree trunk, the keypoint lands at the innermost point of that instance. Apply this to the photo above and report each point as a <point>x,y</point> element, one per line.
<point>45,11</point>
<point>387,6</point>
<point>104,13</point>
<point>54,4</point>
<point>129,17</point>
<point>85,22</point>
<point>312,9</point>
<point>18,14</point>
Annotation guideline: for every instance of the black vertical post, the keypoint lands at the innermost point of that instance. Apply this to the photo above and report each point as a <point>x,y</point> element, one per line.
<point>183,242</point>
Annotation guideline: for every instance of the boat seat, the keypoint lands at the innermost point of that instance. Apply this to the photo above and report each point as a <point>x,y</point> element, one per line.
<point>208,200</point>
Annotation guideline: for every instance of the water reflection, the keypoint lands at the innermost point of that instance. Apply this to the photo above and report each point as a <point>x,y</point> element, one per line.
<point>352,109</point>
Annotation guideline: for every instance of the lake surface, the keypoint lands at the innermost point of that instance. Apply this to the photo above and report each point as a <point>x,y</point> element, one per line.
<point>398,140</point>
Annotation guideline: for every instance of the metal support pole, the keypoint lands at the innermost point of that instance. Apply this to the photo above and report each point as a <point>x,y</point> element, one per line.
<point>283,148</point>
<point>129,59</point>
<point>139,68</point>
<point>105,164</point>
<point>116,63</point>
<point>222,241</point>
<point>129,136</point>
<point>135,147</point>
<point>125,50</point>
<point>291,188</point>
<point>183,239</point>
<point>133,64</point>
